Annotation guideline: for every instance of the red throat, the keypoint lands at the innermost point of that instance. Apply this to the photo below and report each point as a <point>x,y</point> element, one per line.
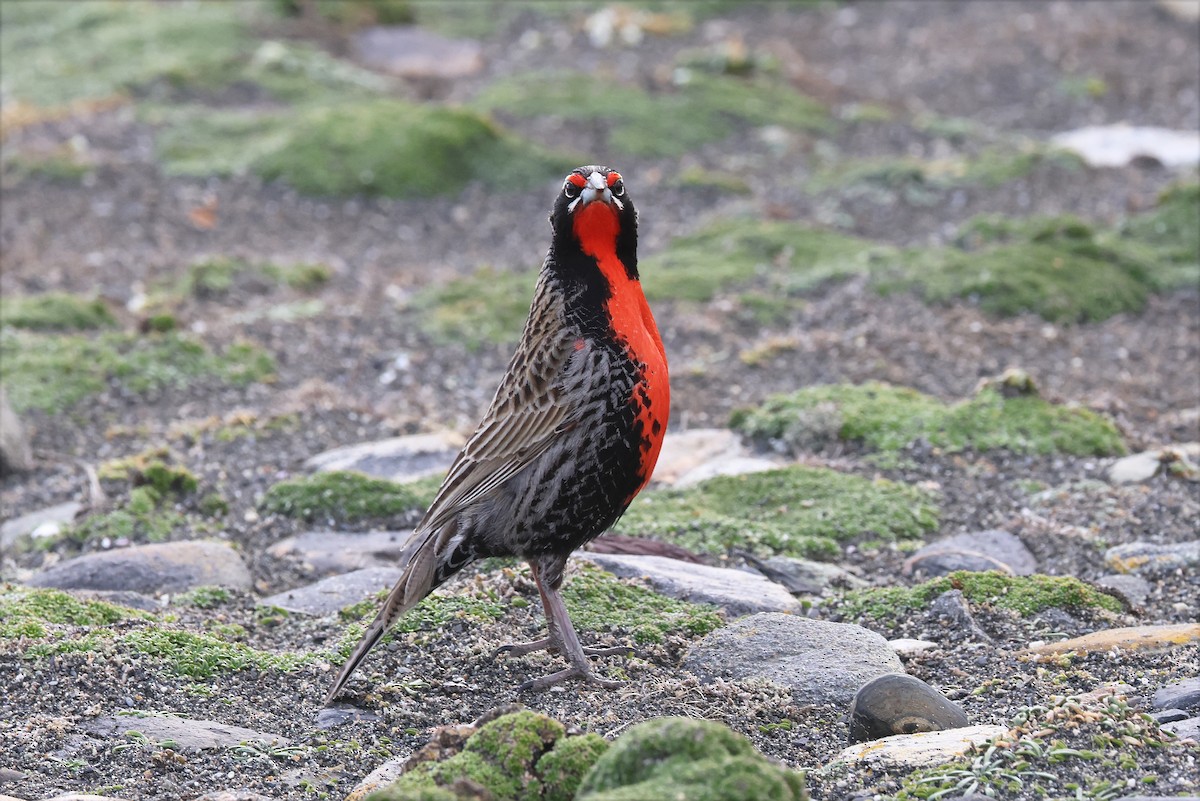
<point>596,227</point>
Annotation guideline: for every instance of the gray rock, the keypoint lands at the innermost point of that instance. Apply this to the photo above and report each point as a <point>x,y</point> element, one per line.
<point>1151,560</point>
<point>897,703</point>
<point>134,600</point>
<point>151,569</point>
<point>232,795</point>
<point>185,733</point>
<point>399,459</point>
<point>413,52</point>
<point>1133,590</point>
<point>329,553</point>
<point>910,647</point>
<point>1119,144</point>
<point>738,592</point>
<point>994,549</point>
<point>15,454</point>
<point>1169,715</point>
<point>46,522</point>
<point>1183,694</point>
<point>1135,468</point>
<point>805,577</point>
<point>331,594</point>
<point>952,605</point>
<point>821,662</point>
<point>332,716</point>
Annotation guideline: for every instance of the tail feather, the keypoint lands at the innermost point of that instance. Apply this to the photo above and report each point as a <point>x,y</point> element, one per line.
<point>417,581</point>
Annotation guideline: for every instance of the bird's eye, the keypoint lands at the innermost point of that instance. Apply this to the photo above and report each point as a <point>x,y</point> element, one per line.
<point>571,190</point>
<point>618,188</point>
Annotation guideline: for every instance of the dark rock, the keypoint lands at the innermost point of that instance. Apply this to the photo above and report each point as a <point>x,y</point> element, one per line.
<point>1184,694</point>
<point>952,605</point>
<point>329,553</point>
<point>1169,715</point>
<point>1130,590</point>
<point>150,569</point>
<point>332,716</point>
<point>900,704</point>
<point>802,576</point>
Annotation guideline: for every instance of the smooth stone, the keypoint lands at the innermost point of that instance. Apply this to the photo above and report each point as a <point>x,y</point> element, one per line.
<point>400,459</point>
<point>1182,694</point>
<point>149,569</point>
<point>133,600</point>
<point>42,523</point>
<point>16,456</point>
<point>1133,638</point>
<point>738,592</point>
<point>332,716</point>
<point>1135,468</point>
<point>185,732</point>
<point>685,451</point>
<point>336,592</point>
<point>1133,590</point>
<point>953,606</point>
<point>329,553</point>
<point>379,778</point>
<point>1187,11</point>
<point>1120,144</point>
<point>897,703</point>
<point>994,549</point>
<point>819,661</point>
<point>1188,729</point>
<point>805,577</point>
<point>10,775</point>
<point>906,646</point>
<point>921,750</point>
<point>733,466</point>
<point>1169,715</point>
<point>413,52</point>
<point>1150,559</point>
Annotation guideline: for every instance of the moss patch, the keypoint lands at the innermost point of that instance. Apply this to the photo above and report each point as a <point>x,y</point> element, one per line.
<point>684,758</point>
<point>200,656</point>
<point>598,601</point>
<point>1024,595</point>
<point>700,109</point>
<point>796,511</point>
<point>345,496</point>
<point>523,756</point>
<point>1171,230</point>
<point>398,149</point>
<point>55,311</point>
<point>216,277</point>
<point>54,373</point>
<point>145,516</point>
<point>889,419</point>
<point>488,307</point>
<point>27,612</point>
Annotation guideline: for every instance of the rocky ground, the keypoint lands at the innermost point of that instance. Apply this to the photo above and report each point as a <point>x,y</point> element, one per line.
<point>245,327</point>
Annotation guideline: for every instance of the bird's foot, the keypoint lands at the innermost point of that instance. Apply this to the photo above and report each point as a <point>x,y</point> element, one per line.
<point>573,672</point>
<point>546,644</point>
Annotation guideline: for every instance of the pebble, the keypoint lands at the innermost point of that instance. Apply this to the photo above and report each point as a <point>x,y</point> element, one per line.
<point>738,592</point>
<point>1188,729</point>
<point>328,553</point>
<point>1133,638</point>
<point>186,733</point>
<point>331,594</point>
<point>994,549</point>
<point>1183,694</point>
<point>379,778</point>
<point>805,577</point>
<point>1133,590</point>
<point>400,459</point>
<point>897,703</point>
<point>151,569</point>
<point>46,522</point>
<point>1120,144</point>
<point>1149,559</point>
<point>921,750</point>
<point>332,716</point>
<point>1135,468</point>
<point>819,661</point>
<point>905,646</point>
<point>412,52</point>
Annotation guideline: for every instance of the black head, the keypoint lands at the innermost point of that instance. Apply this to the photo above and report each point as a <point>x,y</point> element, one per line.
<point>581,225</point>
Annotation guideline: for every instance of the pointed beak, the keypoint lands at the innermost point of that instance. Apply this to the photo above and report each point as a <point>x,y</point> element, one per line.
<point>596,189</point>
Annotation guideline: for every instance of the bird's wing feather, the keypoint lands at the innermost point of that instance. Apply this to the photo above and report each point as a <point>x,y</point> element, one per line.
<point>527,414</point>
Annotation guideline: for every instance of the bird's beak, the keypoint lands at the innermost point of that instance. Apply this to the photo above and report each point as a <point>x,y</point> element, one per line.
<point>596,189</point>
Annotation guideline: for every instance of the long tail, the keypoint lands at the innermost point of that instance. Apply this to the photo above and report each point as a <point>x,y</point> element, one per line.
<point>419,579</point>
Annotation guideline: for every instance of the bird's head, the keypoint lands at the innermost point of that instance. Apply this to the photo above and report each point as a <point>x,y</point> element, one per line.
<point>594,213</point>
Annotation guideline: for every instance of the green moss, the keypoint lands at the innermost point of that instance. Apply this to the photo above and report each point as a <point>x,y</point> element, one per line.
<point>343,496</point>
<point>684,758</point>
<point>60,52</point>
<point>205,597</point>
<point>143,517</point>
<point>354,13</point>
<point>889,419</point>
<point>788,258</point>
<point>488,307</point>
<point>1025,595</point>
<point>705,108</point>
<point>523,756</point>
<point>55,311</point>
<point>54,373</point>
<point>65,166</point>
<point>390,147</point>
<point>598,601</point>
<point>26,612</point>
<point>797,511</point>
<point>1171,231</point>
<point>215,277</point>
<point>200,656</point>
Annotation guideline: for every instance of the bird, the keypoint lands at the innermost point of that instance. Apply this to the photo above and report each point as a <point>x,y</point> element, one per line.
<point>570,437</point>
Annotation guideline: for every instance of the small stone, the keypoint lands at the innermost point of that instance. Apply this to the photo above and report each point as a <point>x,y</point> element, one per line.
<point>10,775</point>
<point>897,703</point>
<point>150,569</point>
<point>413,52</point>
<point>1120,144</point>
<point>185,733</point>
<point>379,778</point>
<point>1182,694</point>
<point>952,605</point>
<point>232,795</point>
<point>1188,729</point>
<point>909,647</point>
<point>332,716</point>
<point>994,549</point>
<point>1135,468</point>
<point>921,750</point>
<point>697,454</point>
<point>819,661</point>
<point>805,577</point>
<point>1169,715</point>
<point>32,524</point>
<point>331,594</point>
<point>400,459</point>
<point>329,553</point>
<point>1150,560</point>
<point>1133,590</point>
<point>738,592</point>
<point>1133,638</point>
